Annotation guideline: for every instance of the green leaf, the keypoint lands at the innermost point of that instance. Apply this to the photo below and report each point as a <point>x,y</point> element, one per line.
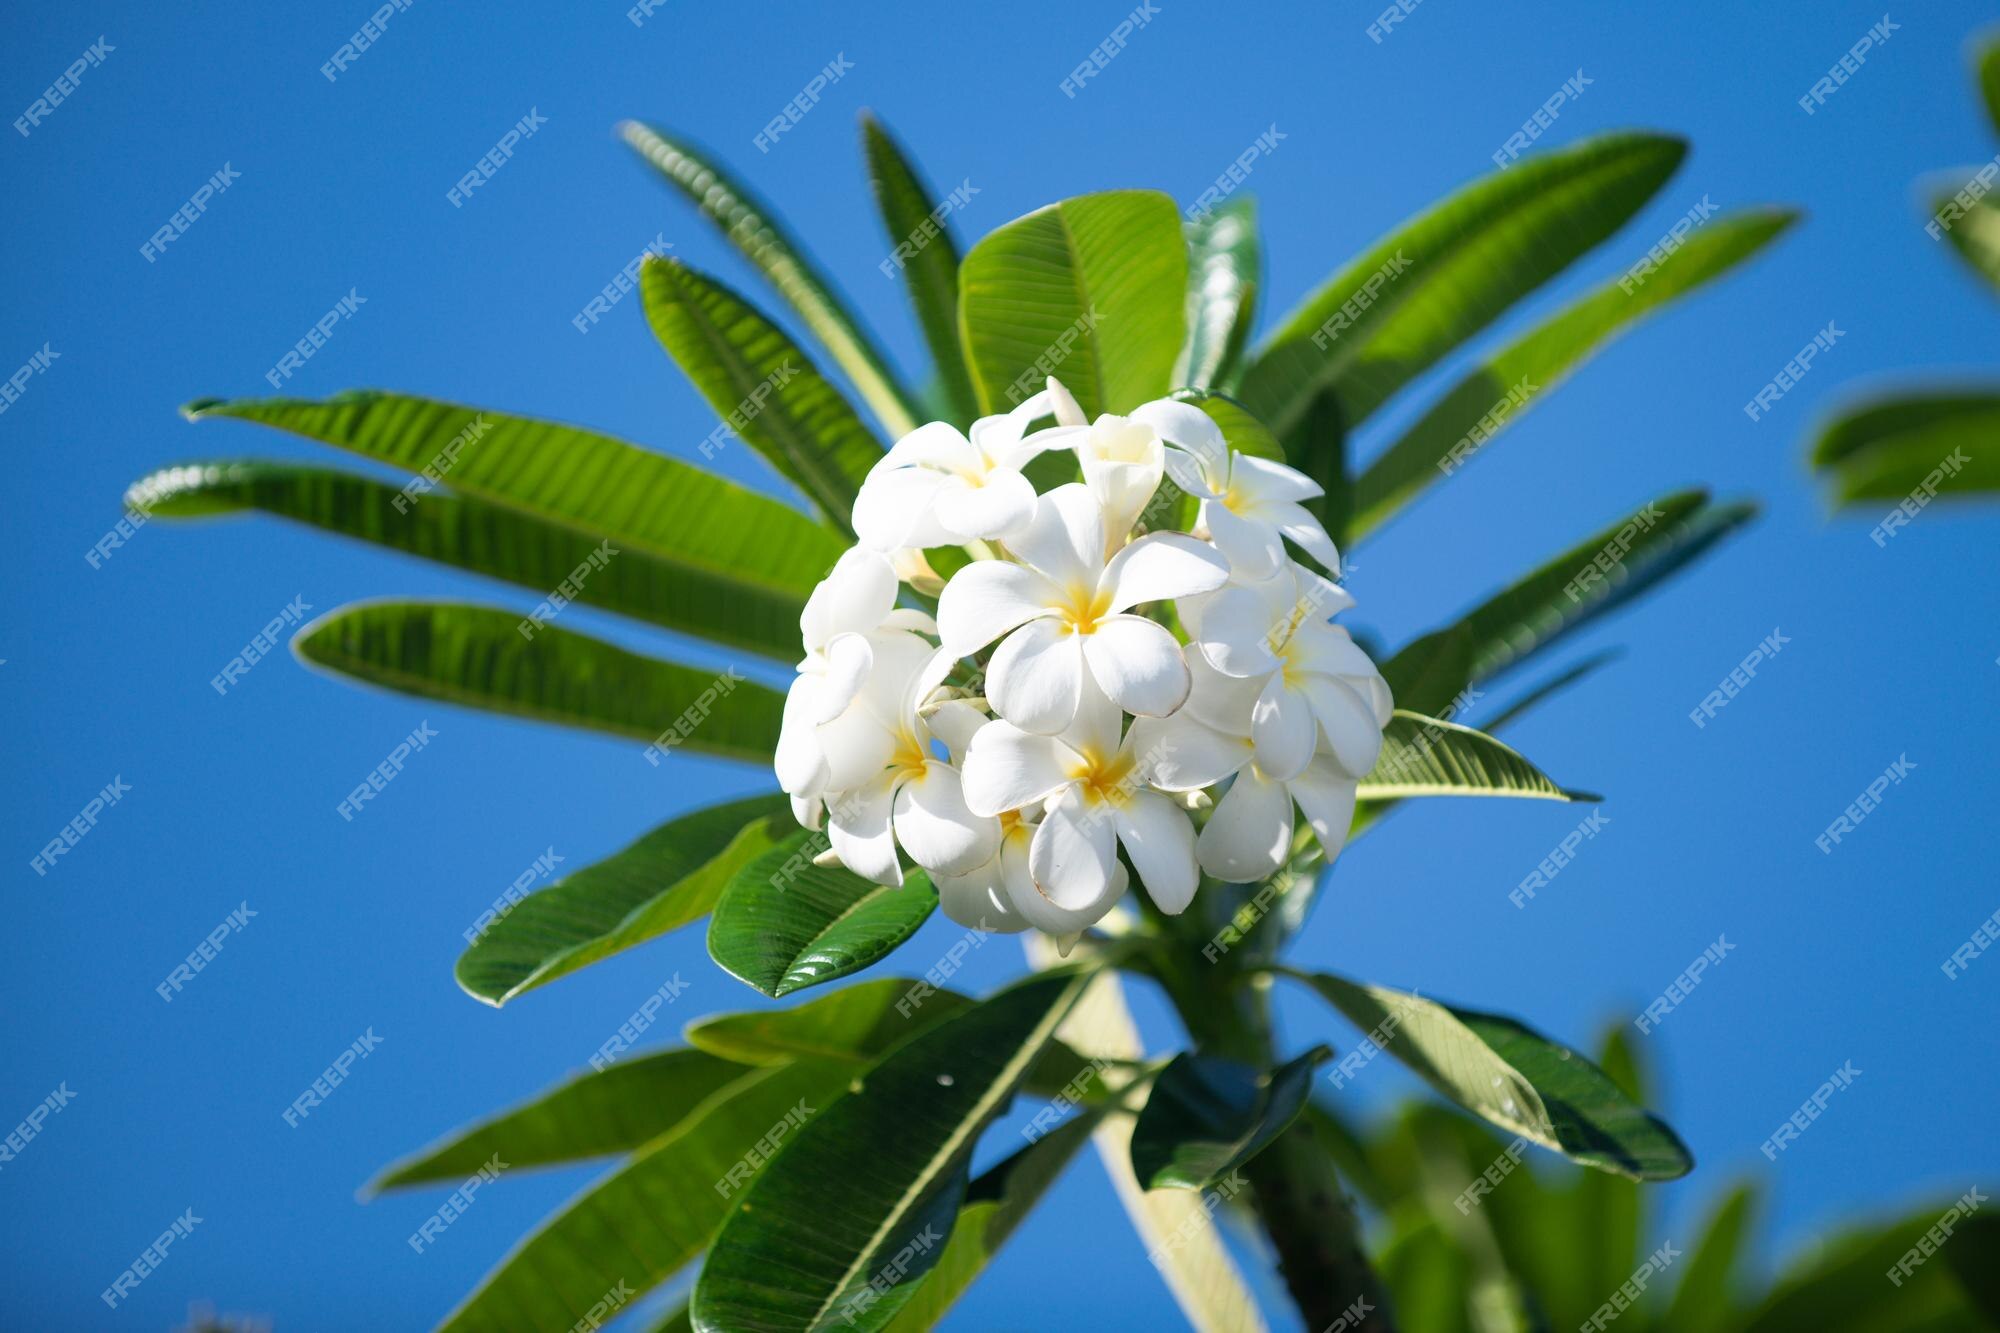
<point>1240,430</point>
<point>1555,684</point>
<point>1974,232</point>
<point>666,879</point>
<point>1222,293</point>
<point>478,657</point>
<point>1502,390</point>
<point>1428,676</point>
<point>1705,1295</point>
<point>930,265</point>
<point>762,386</point>
<point>469,534</point>
<point>754,229</point>
<point>1889,449</point>
<point>857,1197</point>
<point>653,1215</point>
<point>1090,290</point>
<point>1446,274</point>
<point>1208,1115</point>
<point>996,1202</point>
<point>784,923</point>
<point>857,1023</point>
<point>741,553</point>
<point>1513,1077</point>
<point>1423,756</point>
<point>1606,570</point>
<point>1844,1286</point>
<point>623,1107</point>
<point>1986,62</point>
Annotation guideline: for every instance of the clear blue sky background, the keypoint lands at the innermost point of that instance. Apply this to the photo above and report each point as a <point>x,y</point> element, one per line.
<point>343,187</point>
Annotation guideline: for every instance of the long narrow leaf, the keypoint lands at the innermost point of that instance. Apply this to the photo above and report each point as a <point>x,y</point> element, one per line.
<point>923,252</point>
<point>1502,390</point>
<point>1444,275</point>
<point>478,657</point>
<point>489,539</point>
<point>754,229</point>
<point>668,878</point>
<point>1424,756</point>
<point>762,386</point>
<point>1939,440</point>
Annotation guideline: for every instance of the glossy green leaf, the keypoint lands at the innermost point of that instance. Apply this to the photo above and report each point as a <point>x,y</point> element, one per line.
<point>996,1202</point>
<point>922,251</point>
<point>1429,675</point>
<point>1222,292</point>
<point>1513,1077</point>
<point>1208,1115</point>
<point>1446,274</point>
<point>1606,570</point>
<point>1974,233</point>
<point>762,386</point>
<point>1423,756</point>
<point>1501,390</point>
<point>734,547</point>
<point>857,1196</point>
<point>1893,450</point>
<point>478,657</point>
<point>857,1023</point>
<point>784,923</point>
<point>654,1214</point>
<point>1844,1285</point>
<point>755,230</point>
<point>490,539</point>
<point>1090,290</point>
<point>663,881</point>
<point>622,1107</point>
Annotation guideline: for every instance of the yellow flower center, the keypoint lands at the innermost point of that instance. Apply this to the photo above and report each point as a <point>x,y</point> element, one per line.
<point>909,757</point>
<point>1106,779</point>
<point>1083,607</point>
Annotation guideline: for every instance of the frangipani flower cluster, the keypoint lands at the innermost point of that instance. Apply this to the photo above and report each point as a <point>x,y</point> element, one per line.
<point>1096,689</point>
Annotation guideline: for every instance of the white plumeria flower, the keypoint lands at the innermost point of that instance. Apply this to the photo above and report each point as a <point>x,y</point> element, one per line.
<point>910,796</point>
<point>1305,683</point>
<point>936,487</point>
<point>850,617</point>
<point>1062,609</point>
<point>1093,790</point>
<point>1249,505</point>
<point>1248,835</point>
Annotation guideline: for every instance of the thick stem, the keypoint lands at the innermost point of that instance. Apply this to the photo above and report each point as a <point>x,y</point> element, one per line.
<point>1295,1192</point>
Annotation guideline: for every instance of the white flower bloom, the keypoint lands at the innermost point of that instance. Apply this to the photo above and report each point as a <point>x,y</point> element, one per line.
<point>936,487</point>
<point>1249,505</point>
<point>894,789</point>
<point>1061,605</point>
<point>1305,681</point>
<point>1092,787</point>
<point>850,617</point>
<point>1248,835</point>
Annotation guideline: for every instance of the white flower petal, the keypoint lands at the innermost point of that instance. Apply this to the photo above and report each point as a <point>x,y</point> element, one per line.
<point>1159,838</point>
<point>1348,722</point>
<point>1255,549</point>
<point>910,618</point>
<point>1189,428</point>
<point>935,444</point>
<point>935,827</point>
<point>800,761</point>
<point>1137,664</point>
<point>1296,522</point>
<point>1327,797</point>
<point>955,723</point>
<point>893,507</point>
<point>989,512</point>
<point>1283,729</point>
<point>858,828</point>
<point>977,900</point>
<point>1063,403</point>
<point>1327,650</point>
<point>1098,720</point>
<point>1036,675</point>
<point>849,658</point>
<point>1250,830</point>
<point>1007,768</point>
<point>986,599</point>
<point>1266,479</point>
<point>1223,702</point>
<point>1236,628</point>
<point>854,597</point>
<point>856,747</point>
<point>1065,540</point>
<point>1070,860</point>
<point>1181,754</point>
<point>1162,566</point>
<point>808,810</point>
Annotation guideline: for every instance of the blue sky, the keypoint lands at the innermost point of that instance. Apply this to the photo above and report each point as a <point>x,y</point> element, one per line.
<point>342,188</point>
